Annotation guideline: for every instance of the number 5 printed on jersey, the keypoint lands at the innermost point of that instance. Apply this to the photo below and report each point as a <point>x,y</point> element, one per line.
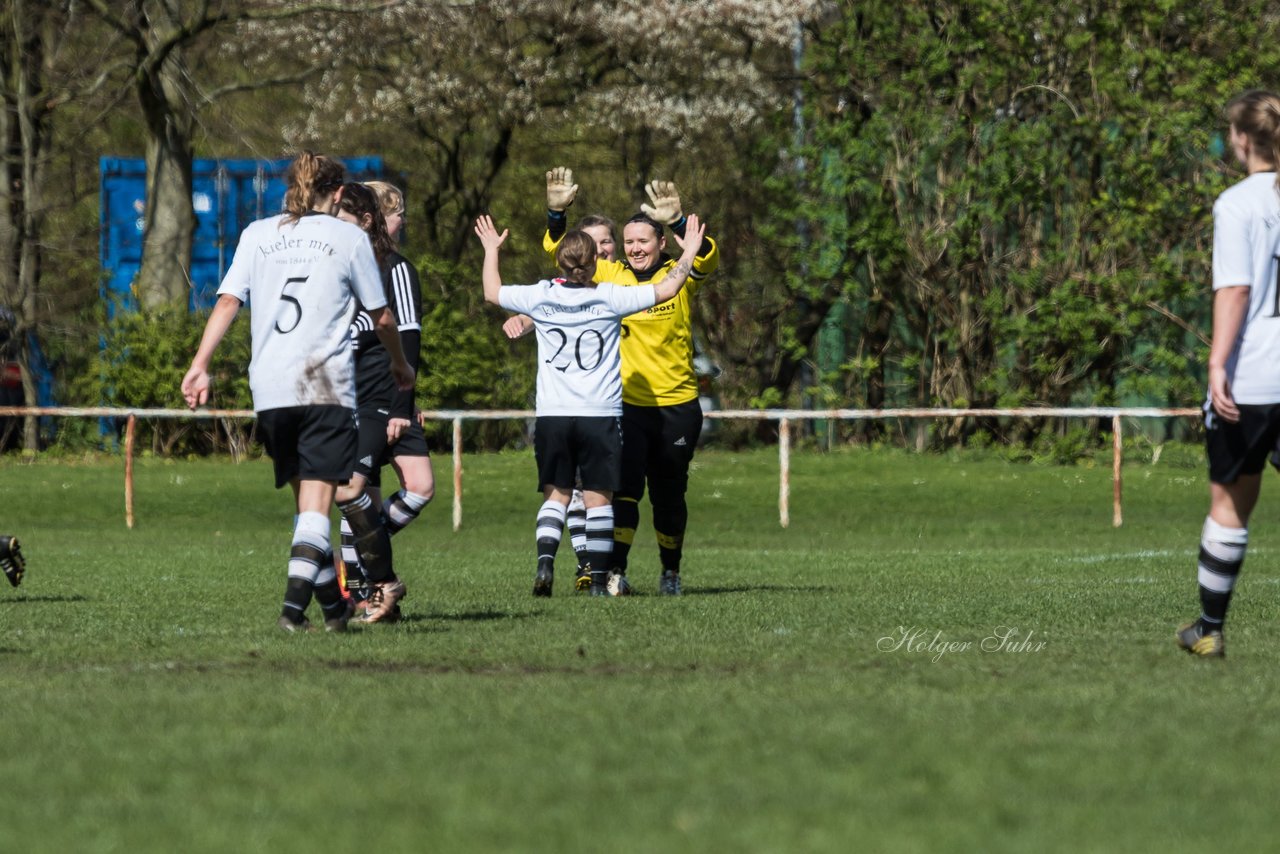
<point>286,311</point>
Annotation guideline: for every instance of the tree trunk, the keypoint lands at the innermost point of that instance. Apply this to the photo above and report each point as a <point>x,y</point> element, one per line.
<point>24,132</point>
<point>164,276</point>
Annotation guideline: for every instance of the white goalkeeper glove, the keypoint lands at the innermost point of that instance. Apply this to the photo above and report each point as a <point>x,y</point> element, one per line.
<point>666,202</point>
<point>561,190</point>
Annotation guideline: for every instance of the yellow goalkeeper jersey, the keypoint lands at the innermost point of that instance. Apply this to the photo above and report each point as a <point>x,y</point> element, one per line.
<point>657,344</point>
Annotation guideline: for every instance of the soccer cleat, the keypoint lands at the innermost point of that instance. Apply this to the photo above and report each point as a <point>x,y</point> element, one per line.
<point>543,580</point>
<point>384,602</point>
<point>11,560</point>
<point>582,582</point>
<point>617,585</point>
<point>304,625</point>
<point>339,623</point>
<point>669,584</point>
<point>1194,639</point>
<point>598,589</point>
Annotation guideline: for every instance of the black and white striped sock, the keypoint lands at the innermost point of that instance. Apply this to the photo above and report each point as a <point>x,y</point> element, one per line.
<point>401,509</point>
<point>310,546</point>
<point>599,532</point>
<point>549,530</point>
<point>1218,568</point>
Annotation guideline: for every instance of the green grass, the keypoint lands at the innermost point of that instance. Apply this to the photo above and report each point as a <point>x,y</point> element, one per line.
<point>149,703</point>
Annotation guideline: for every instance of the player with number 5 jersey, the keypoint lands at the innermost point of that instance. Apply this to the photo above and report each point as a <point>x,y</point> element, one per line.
<point>578,325</point>
<point>302,273</point>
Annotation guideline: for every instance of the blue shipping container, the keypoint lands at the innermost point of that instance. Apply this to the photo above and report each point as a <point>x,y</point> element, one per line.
<point>227,195</point>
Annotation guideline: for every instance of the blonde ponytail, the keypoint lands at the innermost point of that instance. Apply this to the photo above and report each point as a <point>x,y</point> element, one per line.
<point>310,176</point>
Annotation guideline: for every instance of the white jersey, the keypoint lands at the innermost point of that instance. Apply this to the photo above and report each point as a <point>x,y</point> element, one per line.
<point>301,282</point>
<point>578,329</point>
<point>1246,246</point>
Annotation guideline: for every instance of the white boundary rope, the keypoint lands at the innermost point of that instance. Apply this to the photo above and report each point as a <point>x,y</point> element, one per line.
<point>784,417</point>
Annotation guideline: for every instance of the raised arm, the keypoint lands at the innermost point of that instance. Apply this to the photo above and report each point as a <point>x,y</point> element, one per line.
<point>674,280</point>
<point>561,191</point>
<point>491,240</point>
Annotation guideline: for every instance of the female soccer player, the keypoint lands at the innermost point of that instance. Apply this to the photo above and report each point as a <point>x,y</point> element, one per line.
<point>379,403</point>
<point>304,272</point>
<point>579,397</point>
<point>602,230</point>
<point>661,417</point>
<point>1242,413</point>
<point>410,454</point>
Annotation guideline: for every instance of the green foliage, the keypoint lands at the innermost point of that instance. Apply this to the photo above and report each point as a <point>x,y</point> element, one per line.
<point>143,357</point>
<point>1019,195</point>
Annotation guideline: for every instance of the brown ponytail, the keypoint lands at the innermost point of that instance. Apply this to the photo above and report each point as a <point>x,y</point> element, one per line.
<point>1256,114</point>
<point>360,201</point>
<point>310,176</point>
<point>576,256</point>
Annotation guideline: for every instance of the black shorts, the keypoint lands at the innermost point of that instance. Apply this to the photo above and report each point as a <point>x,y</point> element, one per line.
<point>658,444</point>
<point>1241,448</point>
<point>566,446</point>
<point>412,443</point>
<point>310,442</point>
<point>373,441</point>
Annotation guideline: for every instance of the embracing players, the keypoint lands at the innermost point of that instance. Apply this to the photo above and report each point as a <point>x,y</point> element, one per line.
<point>580,395</point>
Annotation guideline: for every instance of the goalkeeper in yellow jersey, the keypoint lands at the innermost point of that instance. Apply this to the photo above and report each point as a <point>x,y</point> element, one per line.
<point>661,418</point>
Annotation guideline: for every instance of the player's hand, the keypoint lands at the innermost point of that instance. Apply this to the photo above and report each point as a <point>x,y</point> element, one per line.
<point>420,417</point>
<point>489,237</point>
<point>516,326</point>
<point>195,387</point>
<point>561,191</point>
<point>666,202</point>
<point>402,373</point>
<point>396,428</point>
<point>692,240</point>
<point>1224,404</point>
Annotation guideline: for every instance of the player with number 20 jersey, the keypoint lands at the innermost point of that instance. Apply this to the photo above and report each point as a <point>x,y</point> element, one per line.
<point>579,399</point>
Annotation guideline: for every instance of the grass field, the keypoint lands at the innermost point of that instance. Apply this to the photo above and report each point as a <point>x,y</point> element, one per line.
<point>150,704</point>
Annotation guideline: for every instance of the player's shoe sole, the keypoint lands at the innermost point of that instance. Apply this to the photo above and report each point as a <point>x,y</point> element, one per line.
<point>384,603</point>
<point>1198,642</point>
<point>618,585</point>
<point>294,628</point>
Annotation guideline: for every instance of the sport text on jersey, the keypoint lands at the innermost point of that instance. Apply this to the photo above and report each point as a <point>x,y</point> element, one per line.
<point>553,310</point>
<point>284,244</point>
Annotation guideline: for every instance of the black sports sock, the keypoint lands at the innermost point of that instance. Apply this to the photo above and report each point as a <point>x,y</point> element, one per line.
<point>297,596</point>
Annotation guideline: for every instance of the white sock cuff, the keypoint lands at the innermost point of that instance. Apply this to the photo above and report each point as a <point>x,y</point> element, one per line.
<point>414,501</point>
<point>601,511</point>
<point>551,507</point>
<point>313,529</point>
<point>1215,533</point>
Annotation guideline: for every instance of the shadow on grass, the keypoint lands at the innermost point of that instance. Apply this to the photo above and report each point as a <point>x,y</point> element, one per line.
<point>465,617</point>
<point>757,588</point>
<point>75,597</point>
